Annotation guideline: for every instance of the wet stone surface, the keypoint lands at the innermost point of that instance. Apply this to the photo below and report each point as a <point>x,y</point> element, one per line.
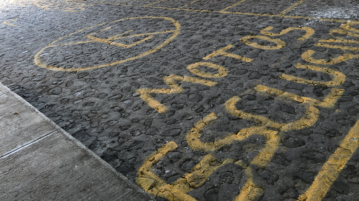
<point>82,65</point>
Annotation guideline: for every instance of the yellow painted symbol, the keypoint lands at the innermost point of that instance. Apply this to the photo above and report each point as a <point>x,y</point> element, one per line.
<point>174,88</point>
<point>279,43</point>
<point>222,52</point>
<point>328,102</point>
<point>308,56</point>
<point>340,38</point>
<point>337,47</point>
<point>345,30</point>
<point>10,22</point>
<point>348,26</point>
<point>94,37</point>
<point>338,77</point>
<point>308,32</point>
<point>176,191</point>
<point>65,6</point>
<point>291,7</point>
<point>193,68</point>
<point>193,136</point>
<point>110,40</point>
<point>334,165</point>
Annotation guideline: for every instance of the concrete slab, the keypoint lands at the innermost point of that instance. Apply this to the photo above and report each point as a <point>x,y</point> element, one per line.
<point>56,169</point>
<point>49,164</point>
<point>19,123</point>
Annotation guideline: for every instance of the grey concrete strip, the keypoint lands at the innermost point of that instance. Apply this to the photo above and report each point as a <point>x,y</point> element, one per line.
<point>19,123</point>
<point>51,164</point>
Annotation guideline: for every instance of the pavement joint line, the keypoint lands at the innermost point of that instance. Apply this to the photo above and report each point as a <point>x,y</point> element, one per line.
<point>25,145</point>
<point>124,195</point>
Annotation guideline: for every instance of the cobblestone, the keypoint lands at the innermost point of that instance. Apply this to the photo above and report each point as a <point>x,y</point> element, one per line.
<point>82,64</point>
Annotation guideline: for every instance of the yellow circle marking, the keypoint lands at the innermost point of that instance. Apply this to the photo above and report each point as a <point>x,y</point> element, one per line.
<point>39,63</point>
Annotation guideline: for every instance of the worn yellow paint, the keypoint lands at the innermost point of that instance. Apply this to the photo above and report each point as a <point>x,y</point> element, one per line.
<point>226,12</point>
<point>75,8</point>
<point>308,32</point>
<point>231,6</point>
<point>279,43</point>
<point>264,128</point>
<point>307,56</point>
<point>189,3</point>
<point>110,40</point>
<point>38,62</point>
<point>193,136</point>
<point>339,41</point>
<point>145,93</point>
<point>332,98</point>
<point>346,30</point>
<point>348,27</point>
<point>291,7</point>
<point>9,22</point>
<point>338,77</point>
<point>338,47</point>
<point>265,155</point>
<point>46,4</point>
<point>328,102</point>
<point>176,191</point>
<point>154,185</point>
<point>222,52</point>
<point>193,68</point>
<point>250,191</point>
<point>342,32</point>
<point>65,6</point>
<point>153,3</point>
<point>334,165</point>
<point>308,119</point>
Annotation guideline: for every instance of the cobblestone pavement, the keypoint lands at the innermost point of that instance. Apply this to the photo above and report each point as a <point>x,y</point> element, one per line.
<point>198,100</point>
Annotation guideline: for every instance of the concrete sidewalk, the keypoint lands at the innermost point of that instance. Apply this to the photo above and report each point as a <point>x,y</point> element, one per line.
<point>40,161</point>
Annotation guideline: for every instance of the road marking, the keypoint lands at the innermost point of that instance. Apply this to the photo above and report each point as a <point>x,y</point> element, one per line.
<point>271,130</point>
<point>223,52</point>
<point>309,32</point>
<point>190,3</point>
<point>338,77</point>
<point>338,47</point>
<point>331,168</point>
<point>174,88</point>
<point>239,2</point>
<point>334,165</point>
<point>328,102</point>
<point>279,43</point>
<point>291,7</point>
<point>340,41</point>
<point>154,185</point>
<point>153,3</point>
<point>174,32</point>
<point>64,6</point>
<point>9,22</point>
<point>226,12</point>
<point>193,68</point>
<point>307,56</point>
